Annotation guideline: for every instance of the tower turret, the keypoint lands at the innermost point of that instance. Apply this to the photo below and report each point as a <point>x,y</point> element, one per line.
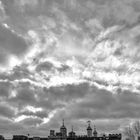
<point>89,130</point>
<point>63,129</point>
<point>95,132</point>
<point>72,133</point>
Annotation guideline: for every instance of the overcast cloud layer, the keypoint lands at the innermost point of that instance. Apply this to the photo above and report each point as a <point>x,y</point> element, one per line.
<point>72,59</point>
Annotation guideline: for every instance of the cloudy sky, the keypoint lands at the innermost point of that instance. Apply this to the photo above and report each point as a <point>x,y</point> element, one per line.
<point>71,59</point>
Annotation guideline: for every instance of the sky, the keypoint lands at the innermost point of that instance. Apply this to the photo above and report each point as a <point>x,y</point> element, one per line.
<point>76,60</point>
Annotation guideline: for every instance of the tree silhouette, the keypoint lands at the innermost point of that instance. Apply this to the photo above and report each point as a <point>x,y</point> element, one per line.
<point>132,131</point>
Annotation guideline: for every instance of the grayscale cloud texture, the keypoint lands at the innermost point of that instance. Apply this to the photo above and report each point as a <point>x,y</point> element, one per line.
<point>72,59</point>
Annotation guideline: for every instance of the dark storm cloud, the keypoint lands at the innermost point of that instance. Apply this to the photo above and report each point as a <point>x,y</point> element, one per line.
<point>5,88</point>
<point>49,66</point>
<point>102,104</point>
<point>3,57</point>
<point>54,97</point>
<point>8,126</point>
<point>49,104</point>
<point>86,102</point>
<point>105,11</point>
<point>68,92</point>
<point>102,108</point>
<point>25,96</point>
<point>20,73</point>
<point>6,111</point>
<point>48,99</point>
<point>45,66</point>
<point>136,4</point>
<point>11,44</point>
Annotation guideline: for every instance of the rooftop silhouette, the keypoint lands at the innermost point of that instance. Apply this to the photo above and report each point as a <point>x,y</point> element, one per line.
<point>92,134</point>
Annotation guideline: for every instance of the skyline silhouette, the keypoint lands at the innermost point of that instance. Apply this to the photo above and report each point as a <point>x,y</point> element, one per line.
<point>63,134</point>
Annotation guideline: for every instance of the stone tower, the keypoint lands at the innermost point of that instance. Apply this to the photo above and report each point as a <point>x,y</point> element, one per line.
<point>89,130</point>
<point>95,132</point>
<point>63,129</point>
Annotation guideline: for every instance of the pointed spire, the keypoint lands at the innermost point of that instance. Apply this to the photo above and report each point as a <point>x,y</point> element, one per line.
<point>94,128</point>
<point>72,128</point>
<point>89,123</point>
<point>95,132</point>
<point>63,122</point>
<point>89,127</point>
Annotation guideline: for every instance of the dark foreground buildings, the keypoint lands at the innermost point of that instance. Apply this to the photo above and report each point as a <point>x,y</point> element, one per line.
<point>1,137</point>
<point>22,137</point>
